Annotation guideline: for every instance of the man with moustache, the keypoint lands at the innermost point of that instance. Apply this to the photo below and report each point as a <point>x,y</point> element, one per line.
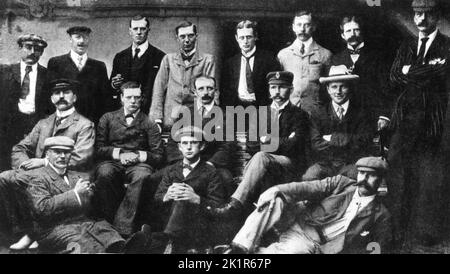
<point>342,215</point>
<point>139,62</point>
<point>285,164</point>
<point>244,74</point>
<point>307,60</point>
<point>91,73</point>
<point>419,147</point>
<point>372,68</point>
<point>24,95</point>
<point>174,83</point>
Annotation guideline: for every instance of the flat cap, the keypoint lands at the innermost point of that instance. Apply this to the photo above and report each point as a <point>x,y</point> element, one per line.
<point>424,5</point>
<point>280,78</point>
<point>61,142</point>
<point>79,29</point>
<point>189,131</point>
<point>35,39</point>
<point>377,164</point>
<point>64,84</point>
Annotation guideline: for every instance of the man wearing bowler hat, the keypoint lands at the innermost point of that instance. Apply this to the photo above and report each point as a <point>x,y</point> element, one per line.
<point>342,215</point>
<point>91,73</point>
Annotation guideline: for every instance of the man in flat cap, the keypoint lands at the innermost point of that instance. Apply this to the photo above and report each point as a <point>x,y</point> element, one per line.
<point>420,143</point>
<point>91,73</point>
<point>29,155</point>
<point>23,91</point>
<point>342,215</point>
<point>61,200</point>
<point>139,62</point>
<point>341,130</point>
<point>285,164</point>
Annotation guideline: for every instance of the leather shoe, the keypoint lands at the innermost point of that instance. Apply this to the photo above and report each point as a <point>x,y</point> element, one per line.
<point>139,242</point>
<point>229,249</point>
<point>230,210</point>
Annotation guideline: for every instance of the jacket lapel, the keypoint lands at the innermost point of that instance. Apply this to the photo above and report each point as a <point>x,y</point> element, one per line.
<point>70,63</point>
<point>57,181</point>
<point>198,169</point>
<point>39,81</point>
<point>67,122</point>
<point>16,73</point>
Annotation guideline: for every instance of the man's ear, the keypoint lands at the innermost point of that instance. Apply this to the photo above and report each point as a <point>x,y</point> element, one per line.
<point>202,147</point>
<point>75,98</point>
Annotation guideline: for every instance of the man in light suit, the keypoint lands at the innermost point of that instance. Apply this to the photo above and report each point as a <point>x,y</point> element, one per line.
<point>129,147</point>
<point>139,62</point>
<point>24,95</point>
<point>91,73</point>
<point>174,83</point>
<point>342,215</point>
<point>307,60</point>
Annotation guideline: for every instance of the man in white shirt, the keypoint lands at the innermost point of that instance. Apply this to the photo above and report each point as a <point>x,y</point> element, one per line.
<point>342,215</point>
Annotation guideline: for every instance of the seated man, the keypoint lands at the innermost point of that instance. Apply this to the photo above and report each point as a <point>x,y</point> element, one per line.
<point>342,216</point>
<point>28,154</point>
<point>287,163</point>
<point>130,148</point>
<point>61,201</point>
<point>186,189</point>
<point>341,131</point>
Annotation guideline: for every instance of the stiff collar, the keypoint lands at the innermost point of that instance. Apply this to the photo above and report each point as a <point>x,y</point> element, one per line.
<point>250,53</point>
<point>142,48</point>
<point>65,113</point>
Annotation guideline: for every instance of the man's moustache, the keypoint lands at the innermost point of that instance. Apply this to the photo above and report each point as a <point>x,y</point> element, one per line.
<point>62,102</point>
<point>206,97</point>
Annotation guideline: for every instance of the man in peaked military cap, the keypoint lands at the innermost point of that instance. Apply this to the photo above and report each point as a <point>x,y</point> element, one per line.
<point>343,215</point>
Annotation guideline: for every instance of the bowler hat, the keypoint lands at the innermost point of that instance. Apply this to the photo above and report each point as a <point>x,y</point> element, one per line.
<point>35,39</point>
<point>61,142</point>
<point>280,78</point>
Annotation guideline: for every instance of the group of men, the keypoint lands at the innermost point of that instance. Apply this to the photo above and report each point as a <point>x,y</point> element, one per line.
<point>89,168</point>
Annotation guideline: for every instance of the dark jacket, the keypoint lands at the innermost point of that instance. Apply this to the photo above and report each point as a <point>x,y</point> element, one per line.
<point>151,60</point>
<point>94,83</point>
<point>328,200</point>
<point>350,139</point>
<point>264,63</point>
<point>142,135</point>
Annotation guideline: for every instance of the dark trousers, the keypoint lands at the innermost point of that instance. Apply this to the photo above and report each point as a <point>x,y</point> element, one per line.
<point>118,192</point>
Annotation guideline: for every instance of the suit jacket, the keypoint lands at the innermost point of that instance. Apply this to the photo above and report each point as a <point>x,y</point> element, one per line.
<point>264,63</point>
<point>151,59</point>
<point>76,127</point>
<point>373,86</point>
<point>94,83</point>
<point>141,135</point>
<point>218,152</point>
<point>328,200</point>
<point>420,111</point>
<point>174,84</point>
<point>350,137</point>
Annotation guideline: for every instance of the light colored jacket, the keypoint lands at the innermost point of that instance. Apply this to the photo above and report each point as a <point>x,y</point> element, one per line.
<point>307,70</point>
<point>174,84</point>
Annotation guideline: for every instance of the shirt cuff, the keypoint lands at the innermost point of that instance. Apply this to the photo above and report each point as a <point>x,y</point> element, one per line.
<point>45,162</point>
<point>78,197</point>
<point>142,156</point>
<point>159,121</point>
<point>116,153</point>
<point>384,118</point>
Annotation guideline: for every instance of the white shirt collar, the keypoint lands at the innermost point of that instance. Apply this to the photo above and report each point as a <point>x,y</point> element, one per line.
<point>276,107</point>
<point>75,57</point>
<point>23,65</point>
<point>250,53</point>
<point>143,48</point>
<point>360,46</point>
<point>192,165</point>
<point>344,106</point>
<point>431,38</point>
<point>57,170</point>
<point>65,113</point>
<point>307,43</point>
<point>208,107</point>
<point>365,200</point>
<point>192,52</point>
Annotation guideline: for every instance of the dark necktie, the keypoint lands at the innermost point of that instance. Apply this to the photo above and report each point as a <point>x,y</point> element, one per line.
<point>421,55</point>
<point>202,111</point>
<point>129,118</point>
<point>59,120</point>
<point>302,49</point>
<point>26,83</point>
<point>186,57</point>
<point>248,74</point>
<point>136,53</point>
<point>189,167</point>
<point>354,51</point>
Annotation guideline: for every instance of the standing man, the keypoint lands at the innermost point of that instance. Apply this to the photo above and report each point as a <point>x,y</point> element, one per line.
<point>139,62</point>
<point>416,151</point>
<point>175,82</point>
<point>130,149</point>
<point>307,60</point>
<point>244,74</point>
<point>91,73</point>
<point>24,97</point>
<point>370,66</point>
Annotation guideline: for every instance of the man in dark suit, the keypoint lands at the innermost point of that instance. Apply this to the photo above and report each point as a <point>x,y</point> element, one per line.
<point>371,67</point>
<point>244,74</point>
<point>418,152</point>
<point>284,164</point>
<point>343,216</point>
<point>187,188</point>
<point>139,63</point>
<point>341,131</point>
<point>130,148</point>
<point>24,95</point>
<point>91,73</point>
